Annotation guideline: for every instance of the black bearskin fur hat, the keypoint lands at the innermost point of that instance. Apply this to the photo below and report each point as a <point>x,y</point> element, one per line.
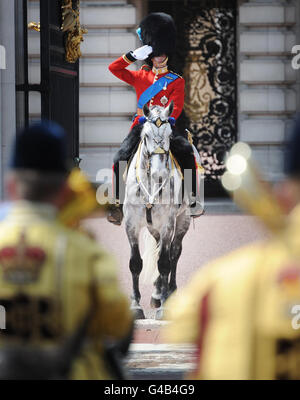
<point>158,30</point>
<point>41,147</point>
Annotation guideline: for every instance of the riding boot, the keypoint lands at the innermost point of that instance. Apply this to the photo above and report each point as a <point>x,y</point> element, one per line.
<point>196,206</point>
<point>183,152</point>
<point>115,211</point>
<point>127,149</point>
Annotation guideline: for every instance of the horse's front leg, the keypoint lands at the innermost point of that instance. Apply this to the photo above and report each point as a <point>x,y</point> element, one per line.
<point>164,268</point>
<point>182,226</point>
<point>135,266</point>
<point>156,295</point>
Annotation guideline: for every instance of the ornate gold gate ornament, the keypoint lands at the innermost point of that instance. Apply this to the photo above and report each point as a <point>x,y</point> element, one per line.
<point>199,92</point>
<point>208,43</point>
<point>75,32</point>
<point>34,26</point>
<point>70,25</point>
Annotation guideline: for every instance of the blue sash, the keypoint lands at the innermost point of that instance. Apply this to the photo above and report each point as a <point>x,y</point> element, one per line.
<point>155,88</point>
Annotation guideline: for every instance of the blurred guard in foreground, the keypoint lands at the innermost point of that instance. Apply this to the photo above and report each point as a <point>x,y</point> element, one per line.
<point>57,286</point>
<point>242,310</point>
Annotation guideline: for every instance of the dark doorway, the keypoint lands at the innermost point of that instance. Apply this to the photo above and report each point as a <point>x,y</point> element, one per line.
<point>206,57</point>
<point>57,88</point>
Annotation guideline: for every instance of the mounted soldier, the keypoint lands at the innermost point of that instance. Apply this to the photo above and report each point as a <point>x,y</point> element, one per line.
<point>155,85</point>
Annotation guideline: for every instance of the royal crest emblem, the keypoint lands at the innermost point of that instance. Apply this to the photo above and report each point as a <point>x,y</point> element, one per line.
<point>21,264</point>
<point>164,100</point>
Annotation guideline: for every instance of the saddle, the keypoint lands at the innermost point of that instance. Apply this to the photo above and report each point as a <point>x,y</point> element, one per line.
<point>129,162</point>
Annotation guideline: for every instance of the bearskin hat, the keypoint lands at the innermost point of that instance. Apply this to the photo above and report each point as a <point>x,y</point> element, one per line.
<point>158,30</point>
<point>42,147</point>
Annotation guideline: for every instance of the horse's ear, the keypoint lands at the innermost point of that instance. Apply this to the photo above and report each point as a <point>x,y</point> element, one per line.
<point>146,110</point>
<point>169,109</point>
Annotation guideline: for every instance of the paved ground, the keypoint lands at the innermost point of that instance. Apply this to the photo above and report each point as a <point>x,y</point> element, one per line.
<point>210,237</point>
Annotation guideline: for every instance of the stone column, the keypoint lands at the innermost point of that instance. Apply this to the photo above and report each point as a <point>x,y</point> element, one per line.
<point>7,85</point>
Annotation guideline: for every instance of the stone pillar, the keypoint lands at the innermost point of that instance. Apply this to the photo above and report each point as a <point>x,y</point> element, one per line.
<point>7,85</point>
<point>268,86</point>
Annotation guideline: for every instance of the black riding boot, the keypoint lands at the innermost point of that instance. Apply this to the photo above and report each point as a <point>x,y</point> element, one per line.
<point>184,154</point>
<point>115,214</point>
<point>115,211</point>
<point>127,149</point>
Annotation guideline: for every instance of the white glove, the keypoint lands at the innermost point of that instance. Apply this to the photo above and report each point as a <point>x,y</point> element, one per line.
<point>142,52</point>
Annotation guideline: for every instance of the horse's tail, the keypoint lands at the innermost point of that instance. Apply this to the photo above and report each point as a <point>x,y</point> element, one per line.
<point>150,257</point>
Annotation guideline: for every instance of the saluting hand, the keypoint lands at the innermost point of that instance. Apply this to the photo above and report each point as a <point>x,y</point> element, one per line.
<point>142,52</point>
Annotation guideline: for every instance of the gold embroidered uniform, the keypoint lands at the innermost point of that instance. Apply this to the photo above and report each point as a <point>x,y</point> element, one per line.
<point>49,278</point>
<point>241,311</point>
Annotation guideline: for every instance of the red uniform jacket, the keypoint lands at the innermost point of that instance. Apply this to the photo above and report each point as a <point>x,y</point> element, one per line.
<point>144,78</point>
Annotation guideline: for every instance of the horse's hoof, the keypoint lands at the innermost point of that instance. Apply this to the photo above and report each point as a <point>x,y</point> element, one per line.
<point>138,313</point>
<point>159,314</point>
<point>155,303</point>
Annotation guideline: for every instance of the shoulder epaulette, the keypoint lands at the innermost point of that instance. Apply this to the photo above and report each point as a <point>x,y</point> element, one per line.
<point>145,67</point>
<point>176,74</point>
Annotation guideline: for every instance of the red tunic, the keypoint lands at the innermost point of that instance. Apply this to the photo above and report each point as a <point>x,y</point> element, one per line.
<point>144,78</point>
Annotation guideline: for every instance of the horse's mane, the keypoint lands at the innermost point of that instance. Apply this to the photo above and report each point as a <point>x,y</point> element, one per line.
<point>156,109</point>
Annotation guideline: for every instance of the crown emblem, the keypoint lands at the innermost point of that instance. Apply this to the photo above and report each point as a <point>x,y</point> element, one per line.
<point>21,264</point>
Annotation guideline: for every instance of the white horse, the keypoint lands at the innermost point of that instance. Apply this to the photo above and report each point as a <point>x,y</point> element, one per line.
<point>153,199</point>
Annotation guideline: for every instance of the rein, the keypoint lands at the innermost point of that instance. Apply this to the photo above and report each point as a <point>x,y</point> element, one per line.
<point>174,165</point>
<point>150,197</point>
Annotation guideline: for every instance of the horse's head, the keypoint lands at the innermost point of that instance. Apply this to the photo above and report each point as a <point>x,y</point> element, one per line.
<point>156,137</point>
<point>157,129</point>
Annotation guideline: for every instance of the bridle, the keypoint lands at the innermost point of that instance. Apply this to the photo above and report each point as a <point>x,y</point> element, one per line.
<point>158,123</point>
<point>148,197</point>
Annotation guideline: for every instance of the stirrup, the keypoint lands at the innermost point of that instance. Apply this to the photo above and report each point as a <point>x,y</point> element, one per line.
<point>115,214</point>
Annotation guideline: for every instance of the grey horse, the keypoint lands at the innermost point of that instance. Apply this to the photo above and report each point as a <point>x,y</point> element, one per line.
<point>153,200</point>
